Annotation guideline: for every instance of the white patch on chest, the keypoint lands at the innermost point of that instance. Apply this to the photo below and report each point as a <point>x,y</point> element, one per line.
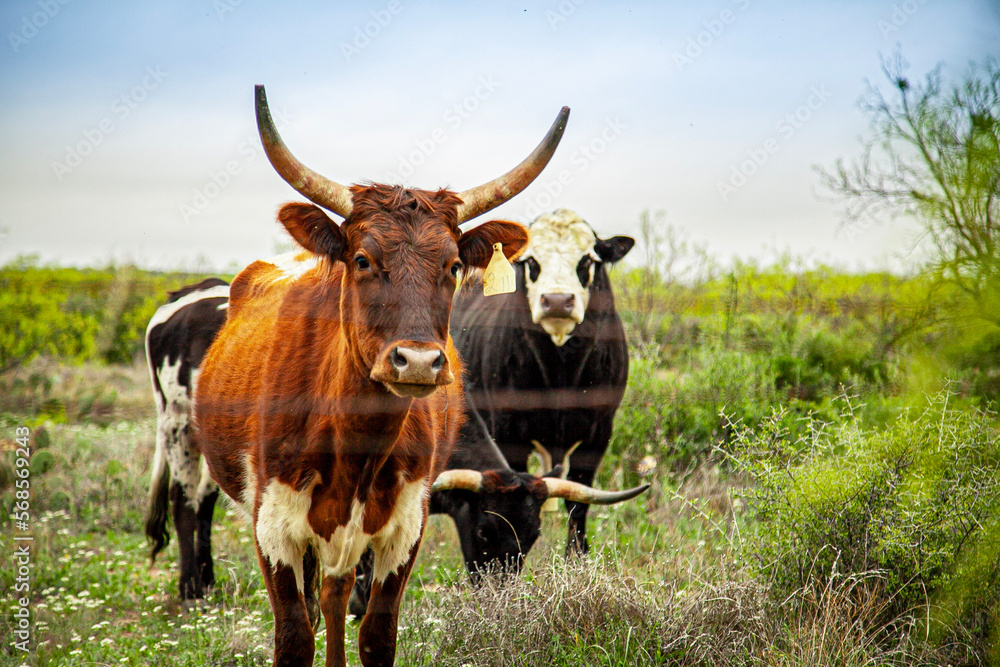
<point>392,544</point>
<point>283,531</point>
<point>343,550</point>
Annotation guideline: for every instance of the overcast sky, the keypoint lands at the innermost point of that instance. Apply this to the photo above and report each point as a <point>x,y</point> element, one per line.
<point>128,129</point>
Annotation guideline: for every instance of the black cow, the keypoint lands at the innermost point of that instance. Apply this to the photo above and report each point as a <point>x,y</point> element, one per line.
<point>177,338</point>
<point>548,363</point>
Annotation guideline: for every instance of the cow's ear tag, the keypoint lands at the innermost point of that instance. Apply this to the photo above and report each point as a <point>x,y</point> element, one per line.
<point>499,276</point>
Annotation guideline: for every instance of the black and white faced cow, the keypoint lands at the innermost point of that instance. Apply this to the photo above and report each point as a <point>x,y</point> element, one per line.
<point>177,338</point>
<point>548,363</point>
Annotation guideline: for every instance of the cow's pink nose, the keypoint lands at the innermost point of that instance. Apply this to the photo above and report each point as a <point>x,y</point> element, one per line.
<point>413,364</point>
<point>424,364</point>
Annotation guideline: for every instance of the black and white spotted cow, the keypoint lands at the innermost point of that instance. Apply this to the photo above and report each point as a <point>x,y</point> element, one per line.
<point>177,338</point>
<point>546,365</point>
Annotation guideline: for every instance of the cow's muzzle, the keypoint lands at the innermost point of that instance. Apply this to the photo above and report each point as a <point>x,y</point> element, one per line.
<point>412,370</point>
<point>558,305</point>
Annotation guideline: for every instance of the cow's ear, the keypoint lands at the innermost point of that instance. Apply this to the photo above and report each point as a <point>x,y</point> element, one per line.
<point>475,248</point>
<point>613,249</point>
<point>312,229</point>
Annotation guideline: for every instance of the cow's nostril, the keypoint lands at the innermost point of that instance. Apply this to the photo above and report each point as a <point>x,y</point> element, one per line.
<point>558,305</point>
<point>438,363</point>
<point>398,360</point>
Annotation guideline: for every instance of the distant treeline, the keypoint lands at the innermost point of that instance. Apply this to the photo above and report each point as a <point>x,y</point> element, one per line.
<point>78,314</point>
<point>818,326</point>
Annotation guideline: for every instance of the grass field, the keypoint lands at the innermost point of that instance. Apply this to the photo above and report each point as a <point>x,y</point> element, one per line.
<point>667,582</point>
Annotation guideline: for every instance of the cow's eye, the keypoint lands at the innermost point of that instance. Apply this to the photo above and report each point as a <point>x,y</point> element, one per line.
<point>533,268</point>
<point>583,270</point>
<point>456,268</point>
<point>362,262</point>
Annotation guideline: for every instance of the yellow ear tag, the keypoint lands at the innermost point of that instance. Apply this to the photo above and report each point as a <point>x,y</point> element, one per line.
<point>499,276</point>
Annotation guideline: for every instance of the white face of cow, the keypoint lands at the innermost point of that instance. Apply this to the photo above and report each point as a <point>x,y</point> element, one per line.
<point>559,266</point>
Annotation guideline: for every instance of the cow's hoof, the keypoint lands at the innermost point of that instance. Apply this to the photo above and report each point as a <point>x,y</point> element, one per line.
<point>194,604</point>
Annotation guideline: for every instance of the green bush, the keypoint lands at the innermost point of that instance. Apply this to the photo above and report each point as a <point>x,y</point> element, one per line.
<point>678,418</point>
<point>33,320</point>
<point>78,314</point>
<point>905,502</point>
<point>819,361</point>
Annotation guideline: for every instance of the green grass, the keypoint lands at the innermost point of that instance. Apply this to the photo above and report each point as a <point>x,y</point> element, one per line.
<point>665,583</point>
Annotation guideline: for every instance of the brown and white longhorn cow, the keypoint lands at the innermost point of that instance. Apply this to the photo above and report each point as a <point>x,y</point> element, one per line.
<point>331,398</point>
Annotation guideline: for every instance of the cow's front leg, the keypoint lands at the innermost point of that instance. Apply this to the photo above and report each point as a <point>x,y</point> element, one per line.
<point>576,544</point>
<point>294,643</point>
<point>577,538</point>
<point>377,636</point>
<point>333,602</point>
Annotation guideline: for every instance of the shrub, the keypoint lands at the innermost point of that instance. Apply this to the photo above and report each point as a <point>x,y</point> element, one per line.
<point>78,314</point>
<point>585,613</point>
<point>905,501</point>
<point>677,418</point>
<point>33,321</point>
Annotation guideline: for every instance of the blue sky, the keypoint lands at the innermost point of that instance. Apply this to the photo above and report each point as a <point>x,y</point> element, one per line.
<point>129,135</point>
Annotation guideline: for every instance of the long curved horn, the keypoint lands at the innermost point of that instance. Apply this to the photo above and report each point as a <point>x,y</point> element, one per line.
<point>581,493</point>
<point>478,200</point>
<point>467,480</point>
<point>318,189</point>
